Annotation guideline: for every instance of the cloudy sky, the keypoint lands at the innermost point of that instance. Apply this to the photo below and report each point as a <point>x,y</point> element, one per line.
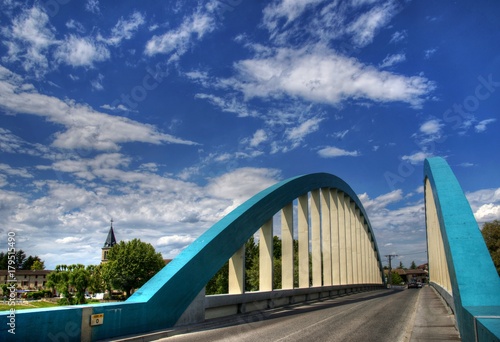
<point>165,116</point>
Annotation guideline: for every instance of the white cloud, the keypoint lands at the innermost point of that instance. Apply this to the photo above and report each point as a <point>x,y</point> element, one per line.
<point>241,184</point>
<point>120,107</point>
<point>431,127</point>
<point>259,137</point>
<point>18,172</point>
<point>28,40</point>
<point>321,75</point>
<point>75,25</point>
<point>81,51</point>
<point>332,152</point>
<point>485,204</point>
<point>289,9</point>
<point>125,28</point>
<point>307,127</point>
<point>398,36</point>
<point>417,157</point>
<point>390,60</point>
<point>381,201</point>
<point>175,241</point>
<point>97,83</point>
<point>487,212</point>
<point>340,135</point>
<point>287,19</point>
<point>366,26</point>
<point>481,126</point>
<point>228,104</point>
<point>85,127</point>
<point>69,239</point>
<point>429,131</point>
<point>177,41</point>
<point>92,6</point>
<point>429,53</point>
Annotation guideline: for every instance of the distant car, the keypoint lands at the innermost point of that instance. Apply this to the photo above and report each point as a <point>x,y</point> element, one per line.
<point>419,284</point>
<point>414,285</point>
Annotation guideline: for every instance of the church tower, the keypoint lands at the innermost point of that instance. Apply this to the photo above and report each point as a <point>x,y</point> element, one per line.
<point>110,242</point>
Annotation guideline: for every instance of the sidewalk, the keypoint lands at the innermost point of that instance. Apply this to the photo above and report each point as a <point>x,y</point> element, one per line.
<point>433,319</point>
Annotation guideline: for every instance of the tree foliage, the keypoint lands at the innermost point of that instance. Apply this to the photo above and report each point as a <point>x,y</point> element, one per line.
<point>75,277</point>
<point>491,235</point>
<point>21,261</point>
<point>396,278</point>
<point>131,264</point>
<point>219,282</point>
<point>413,265</point>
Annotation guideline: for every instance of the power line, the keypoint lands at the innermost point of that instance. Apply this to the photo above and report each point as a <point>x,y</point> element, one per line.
<point>390,256</point>
<point>413,253</point>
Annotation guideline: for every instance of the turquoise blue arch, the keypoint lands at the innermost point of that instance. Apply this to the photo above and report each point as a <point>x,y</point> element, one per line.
<point>197,264</point>
<point>474,279</point>
<point>162,300</point>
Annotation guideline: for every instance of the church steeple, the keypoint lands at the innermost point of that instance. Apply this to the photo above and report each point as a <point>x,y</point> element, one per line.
<point>110,242</point>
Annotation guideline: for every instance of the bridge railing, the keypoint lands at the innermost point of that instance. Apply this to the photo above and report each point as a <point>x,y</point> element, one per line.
<point>329,217</point>
<point>460,266</point>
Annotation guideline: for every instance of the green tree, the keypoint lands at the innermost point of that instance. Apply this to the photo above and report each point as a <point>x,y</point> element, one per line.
<point>38,265</point>
<point>58,280</point>
<point>401,266</point>
<point>96,282</point>
<point>131,264</point>
<point>4,261</point>
<point>79,278</point>
<point>220,281</point>
<point>33,263</point>
<point>66,277</point>
<point>413,265</point>
<point>491,235</point>
<point>20,259</point>
<point>396,278</point>
<point>251,265</point>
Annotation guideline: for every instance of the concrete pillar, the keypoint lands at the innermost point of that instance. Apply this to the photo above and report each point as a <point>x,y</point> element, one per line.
<point>370,258</point>
<point>303,235</point>
<point>334,225</point>
<point>348,239</point>
<point>266,256</point>
<point>359,252</point>
<point>374,261</point>
<point>365,253</point>
<point>237,272</point>
<point>326,237</point>
<point>438,266</point>
<point>354,243</point>
<point>287,247</point>
<point>316,238</point>
<point>342,239</point>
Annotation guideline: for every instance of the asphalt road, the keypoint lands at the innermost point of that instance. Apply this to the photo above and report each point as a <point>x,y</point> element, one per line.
<point>383,315</point>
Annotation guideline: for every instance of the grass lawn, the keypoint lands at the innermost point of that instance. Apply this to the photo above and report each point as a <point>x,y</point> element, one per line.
<point>31,305</point>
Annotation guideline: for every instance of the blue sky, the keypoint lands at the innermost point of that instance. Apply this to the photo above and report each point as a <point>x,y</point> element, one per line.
<point>165,116</point>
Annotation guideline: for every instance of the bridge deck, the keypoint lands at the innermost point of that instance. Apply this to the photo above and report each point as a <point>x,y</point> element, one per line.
<point>433,320</point>
<point>416,315</point>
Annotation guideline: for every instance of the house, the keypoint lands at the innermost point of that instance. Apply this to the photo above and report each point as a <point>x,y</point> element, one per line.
<point>25,279</point>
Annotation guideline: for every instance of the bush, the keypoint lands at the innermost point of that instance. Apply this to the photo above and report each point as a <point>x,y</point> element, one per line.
<point>64,301</point>
<point>39,294</point>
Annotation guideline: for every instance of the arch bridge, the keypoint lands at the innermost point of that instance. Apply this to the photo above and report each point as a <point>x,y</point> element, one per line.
<point>337,253</point>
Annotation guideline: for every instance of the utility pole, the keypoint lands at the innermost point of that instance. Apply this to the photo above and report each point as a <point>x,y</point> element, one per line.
<point>389,275</point>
